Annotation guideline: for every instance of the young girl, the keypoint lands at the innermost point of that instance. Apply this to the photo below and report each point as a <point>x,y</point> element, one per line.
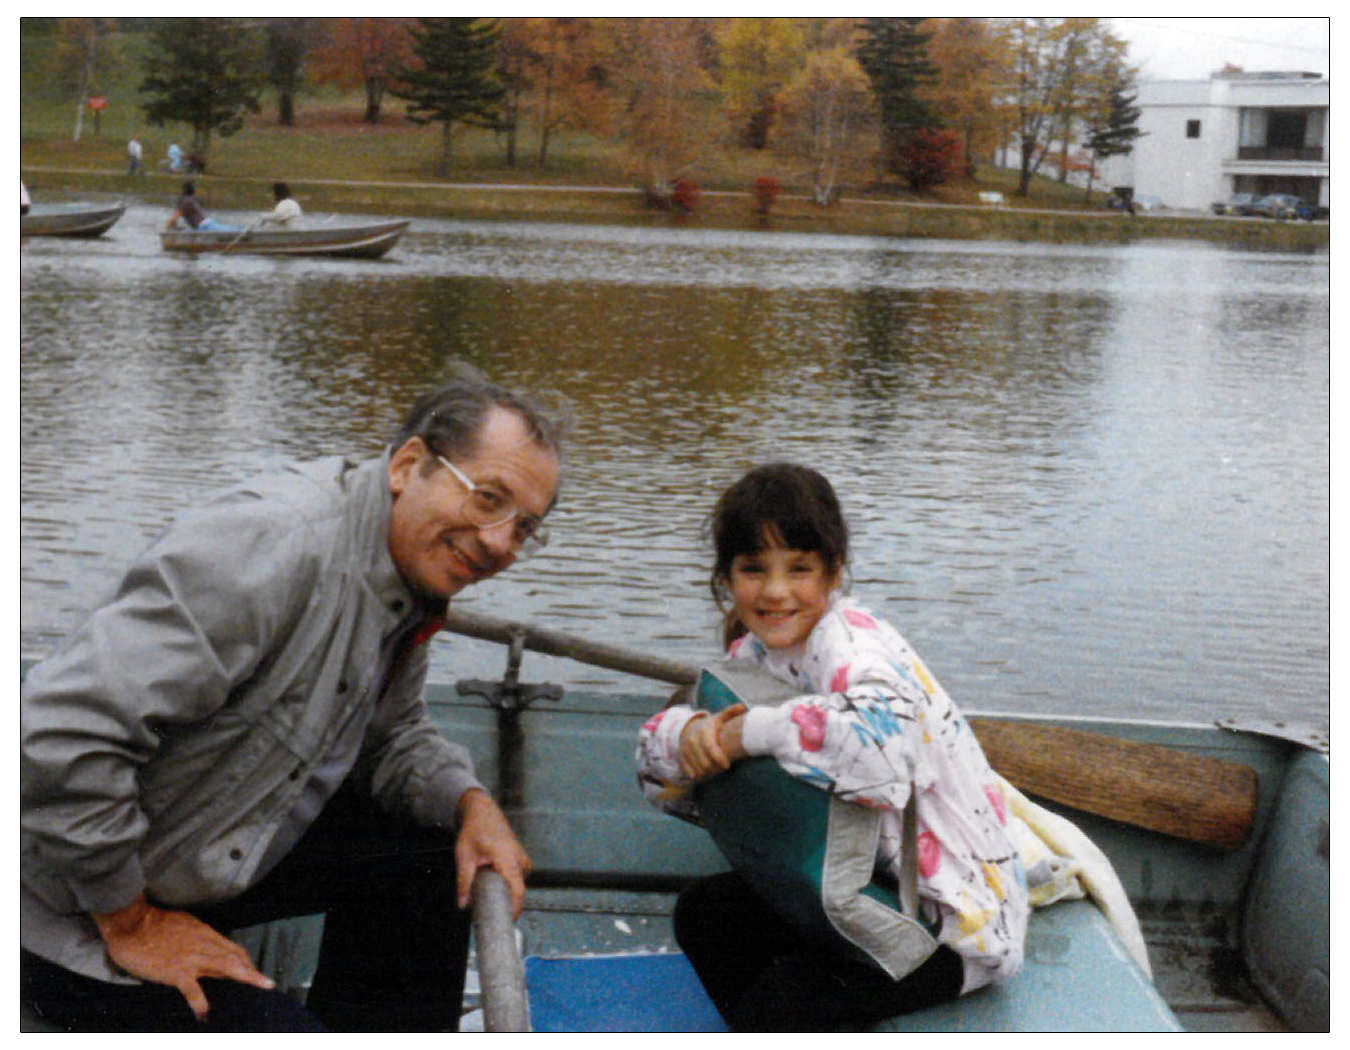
<point>781,546</point>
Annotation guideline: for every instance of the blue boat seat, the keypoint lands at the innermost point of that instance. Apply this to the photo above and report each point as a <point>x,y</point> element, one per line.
<point>1077,978</point>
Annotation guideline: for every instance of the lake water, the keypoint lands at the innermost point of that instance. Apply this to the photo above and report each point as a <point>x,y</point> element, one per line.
<point>1088,480</point>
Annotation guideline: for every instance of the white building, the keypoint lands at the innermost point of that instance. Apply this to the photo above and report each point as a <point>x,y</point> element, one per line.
<point>1205,140</point>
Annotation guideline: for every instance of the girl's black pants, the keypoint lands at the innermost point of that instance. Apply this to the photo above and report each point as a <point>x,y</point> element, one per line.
<point>763,977</point>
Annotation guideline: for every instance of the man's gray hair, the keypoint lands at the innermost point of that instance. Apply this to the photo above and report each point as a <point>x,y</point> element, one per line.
<point>450,418</point>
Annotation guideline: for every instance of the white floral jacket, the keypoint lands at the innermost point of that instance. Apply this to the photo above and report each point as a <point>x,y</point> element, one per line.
<point>872,726</point>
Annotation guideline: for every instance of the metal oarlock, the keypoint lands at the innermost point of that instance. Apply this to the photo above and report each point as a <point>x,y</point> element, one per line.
<point>510,698</point>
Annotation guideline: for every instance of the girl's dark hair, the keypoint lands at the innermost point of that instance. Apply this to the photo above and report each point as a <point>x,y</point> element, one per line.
<point>778,502</point>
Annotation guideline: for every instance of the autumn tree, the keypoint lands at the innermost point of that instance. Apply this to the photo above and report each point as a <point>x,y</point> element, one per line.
<point>201,72</point>
<point>1093,56</point>
<point>1057,65</point>
<point>516,61</point>
<point>568,88</point>
<point>828,113</point>
<point>363,53</point>
<point>893,52</point>
<point>454,82</point>
<point>973,60</point>
<point>661,88</point>
<point>759,57</point>
<point>86,56</point>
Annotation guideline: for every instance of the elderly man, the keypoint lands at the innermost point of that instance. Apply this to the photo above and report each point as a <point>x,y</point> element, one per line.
<point>240,735</point>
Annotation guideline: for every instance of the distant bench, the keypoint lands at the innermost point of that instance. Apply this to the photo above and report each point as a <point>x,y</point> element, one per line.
<point>992,198</point>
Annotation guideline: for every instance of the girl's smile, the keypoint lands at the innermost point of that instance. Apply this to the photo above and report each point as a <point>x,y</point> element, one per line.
<point>780,594</point>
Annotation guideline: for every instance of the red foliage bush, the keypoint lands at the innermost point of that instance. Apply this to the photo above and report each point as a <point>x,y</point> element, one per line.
<point>684,194</point>
<point>930,156</point>
<point>766,190</point>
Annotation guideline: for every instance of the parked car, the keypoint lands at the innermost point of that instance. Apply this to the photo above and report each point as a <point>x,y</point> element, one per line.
<point>1283,206</point>
<point>1237,204</point>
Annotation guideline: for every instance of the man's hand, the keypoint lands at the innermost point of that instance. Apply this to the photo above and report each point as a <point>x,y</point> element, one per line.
<point>174,948</point>
<point>487,841</point>
<point>709,745</point>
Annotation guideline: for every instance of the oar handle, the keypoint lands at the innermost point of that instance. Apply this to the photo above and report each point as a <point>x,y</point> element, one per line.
<point>506,1005</point>
<point>242,234</point>
<point>557,643</point>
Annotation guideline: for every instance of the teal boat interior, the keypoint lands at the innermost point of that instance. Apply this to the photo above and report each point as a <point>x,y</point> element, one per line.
<point>1238,938</point>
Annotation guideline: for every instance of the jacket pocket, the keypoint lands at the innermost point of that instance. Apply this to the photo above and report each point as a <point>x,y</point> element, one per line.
<point>207,843</point>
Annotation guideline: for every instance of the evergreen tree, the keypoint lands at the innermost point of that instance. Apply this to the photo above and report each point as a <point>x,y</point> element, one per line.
<point>201,71</point>
<point>287,41</point>
<point>894,55</point>
<point>1114,133</point>
<point>455,82</point>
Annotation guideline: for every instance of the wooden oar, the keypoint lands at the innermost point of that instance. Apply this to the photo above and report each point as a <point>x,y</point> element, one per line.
<point>242,234</point>
<point>1164,789</point>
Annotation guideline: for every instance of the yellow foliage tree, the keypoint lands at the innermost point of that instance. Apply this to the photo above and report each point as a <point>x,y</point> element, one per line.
<point>1059,66</point>
<point>830,114</point>
<point>661,85</point>
<point>759,58</point>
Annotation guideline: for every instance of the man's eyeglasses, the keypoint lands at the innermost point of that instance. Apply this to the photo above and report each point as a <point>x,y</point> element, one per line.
<point>487,507</point>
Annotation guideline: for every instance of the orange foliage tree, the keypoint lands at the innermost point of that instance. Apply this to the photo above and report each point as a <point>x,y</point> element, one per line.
<point>758,59</point>
<point>974,58</point>
<point>365,53</point>
<point>565,78</point>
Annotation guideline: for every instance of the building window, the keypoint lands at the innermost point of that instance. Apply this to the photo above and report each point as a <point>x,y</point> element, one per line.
<point>1192,129</point>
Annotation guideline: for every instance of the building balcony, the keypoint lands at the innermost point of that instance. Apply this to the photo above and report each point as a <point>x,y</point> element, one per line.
<point>1283,153</point>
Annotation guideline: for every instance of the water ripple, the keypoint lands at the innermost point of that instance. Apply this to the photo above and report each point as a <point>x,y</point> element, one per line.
<point>1080,479</point>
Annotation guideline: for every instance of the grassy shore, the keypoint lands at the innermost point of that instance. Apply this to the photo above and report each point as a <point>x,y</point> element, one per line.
<point>546,202</point>
<point>335,162</point>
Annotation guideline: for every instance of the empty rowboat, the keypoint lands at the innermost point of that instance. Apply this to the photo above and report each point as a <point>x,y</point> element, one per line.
<point>74,219</point>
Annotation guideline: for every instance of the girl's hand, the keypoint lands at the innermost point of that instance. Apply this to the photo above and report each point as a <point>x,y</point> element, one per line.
<point>709,744</point>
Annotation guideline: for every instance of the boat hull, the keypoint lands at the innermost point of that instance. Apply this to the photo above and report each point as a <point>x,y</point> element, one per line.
<point>69,220</point>
<point>365,242</point>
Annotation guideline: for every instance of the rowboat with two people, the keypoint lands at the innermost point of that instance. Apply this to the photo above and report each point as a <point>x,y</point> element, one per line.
<point>1196,859</point>
<point>365,241</point>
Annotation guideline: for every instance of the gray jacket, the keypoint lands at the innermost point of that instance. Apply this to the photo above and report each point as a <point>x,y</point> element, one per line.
<point>166,741</point>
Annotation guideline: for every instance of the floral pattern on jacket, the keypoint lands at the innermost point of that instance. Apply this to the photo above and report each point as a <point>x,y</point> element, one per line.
<point>873,726</point>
